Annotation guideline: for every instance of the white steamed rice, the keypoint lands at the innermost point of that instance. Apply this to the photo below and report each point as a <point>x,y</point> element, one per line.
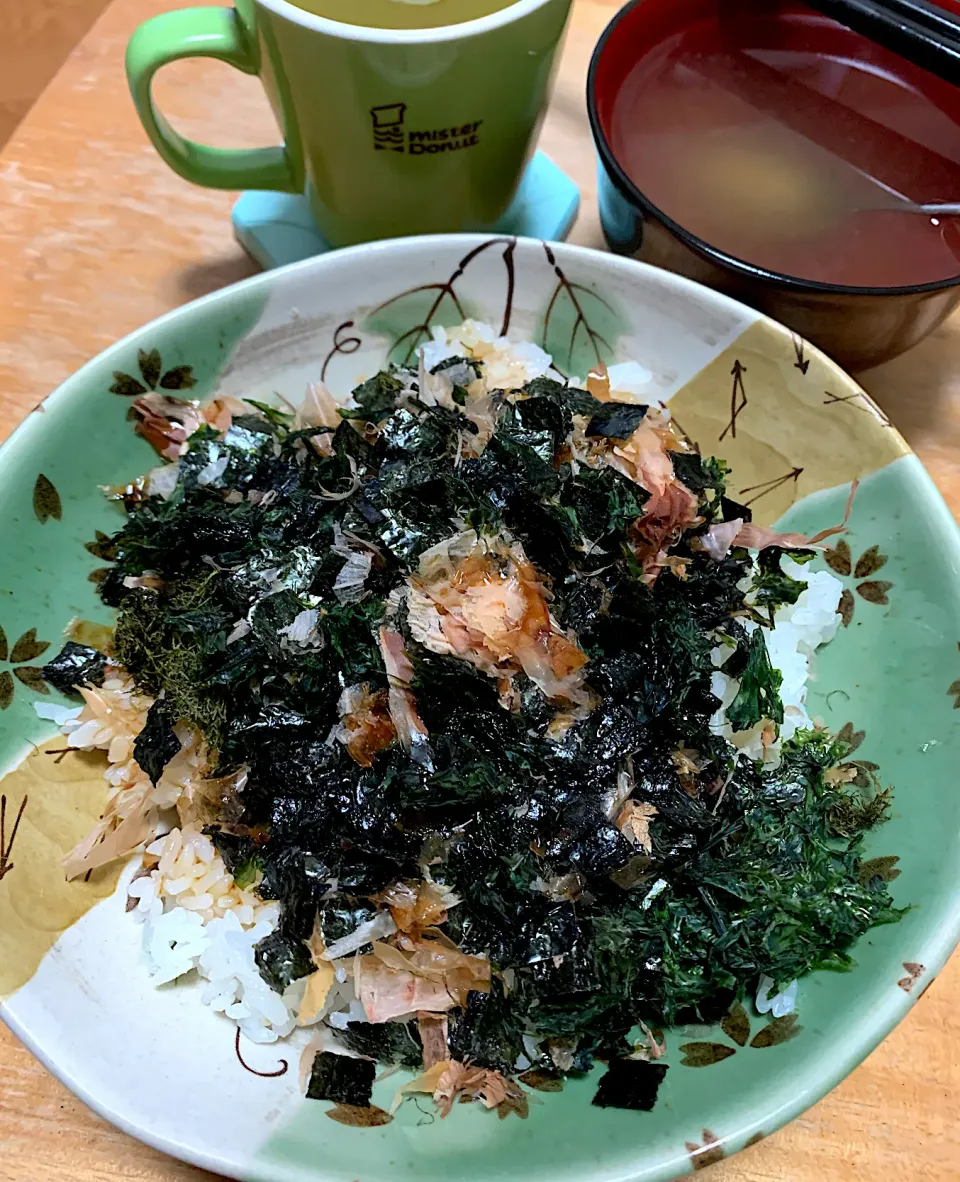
<point>799,630</point>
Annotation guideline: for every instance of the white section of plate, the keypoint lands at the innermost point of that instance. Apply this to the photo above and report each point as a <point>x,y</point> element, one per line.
<point>129,1050</point>
<point>678,326</point>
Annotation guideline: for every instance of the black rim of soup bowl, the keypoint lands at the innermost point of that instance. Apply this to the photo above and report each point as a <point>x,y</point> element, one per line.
<point>629,190</point>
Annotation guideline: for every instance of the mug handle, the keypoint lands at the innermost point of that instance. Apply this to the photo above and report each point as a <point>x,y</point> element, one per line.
<point>201,32</point>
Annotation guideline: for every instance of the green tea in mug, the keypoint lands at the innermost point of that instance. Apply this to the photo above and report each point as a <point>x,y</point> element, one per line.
<point>402,14</point>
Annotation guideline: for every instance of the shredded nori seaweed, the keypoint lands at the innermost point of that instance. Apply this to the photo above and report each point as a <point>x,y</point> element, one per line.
<point>282,959</point>
<point>617,420</point>
<point>341,1078</point>
<point>630,1083</point>
<point>75,665</point>
<point>157,743</point>
<point>749,870</point>
<point>395,1043</point>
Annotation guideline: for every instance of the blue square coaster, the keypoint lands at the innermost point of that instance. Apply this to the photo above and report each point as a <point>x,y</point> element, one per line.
<point>277,228</point>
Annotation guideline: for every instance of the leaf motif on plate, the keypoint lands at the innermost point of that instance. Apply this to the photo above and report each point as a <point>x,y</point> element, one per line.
<point>846,607</point>
<point>882,868</point>
<point>707,1154</point>
<point>179,378</point>
<point>839,558</point>
<point>874,592</point>
<point>126,386</point>
<point>914,971</point>
<point>518,1105</point>
<point>736,1025</point>
<point>705,1054</point>
<point>869,562</point>
<point>778,1031</point>
<point>103,547</point>
<point>46,500</point>
<point>846,734</point>
<point>28,647</point>
<point>574,321</point>
<point>408,321</point>
<point>150,366</point>
<point>32,678</point>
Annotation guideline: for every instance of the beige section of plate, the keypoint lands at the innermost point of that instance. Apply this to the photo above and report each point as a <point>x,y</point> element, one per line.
<point>774,408</point>
<point>65,797</point>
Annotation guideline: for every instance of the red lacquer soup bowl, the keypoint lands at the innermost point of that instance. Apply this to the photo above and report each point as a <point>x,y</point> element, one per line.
<point>767,151</point>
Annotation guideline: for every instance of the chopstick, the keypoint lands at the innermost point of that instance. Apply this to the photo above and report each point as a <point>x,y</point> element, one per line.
<point>919,31</point>
<point>926,14</point>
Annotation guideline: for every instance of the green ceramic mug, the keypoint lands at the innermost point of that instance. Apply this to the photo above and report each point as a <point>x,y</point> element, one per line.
<point>389,132</point>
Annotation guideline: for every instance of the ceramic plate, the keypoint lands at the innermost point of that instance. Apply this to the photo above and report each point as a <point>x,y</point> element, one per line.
<point>797,432</point>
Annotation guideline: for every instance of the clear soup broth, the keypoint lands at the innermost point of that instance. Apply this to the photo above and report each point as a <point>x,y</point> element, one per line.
<point>794,150</point>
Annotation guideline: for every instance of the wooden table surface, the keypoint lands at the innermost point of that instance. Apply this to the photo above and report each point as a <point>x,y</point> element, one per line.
<point>97,237</point>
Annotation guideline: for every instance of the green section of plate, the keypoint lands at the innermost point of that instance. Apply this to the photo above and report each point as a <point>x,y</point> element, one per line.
<point>53,469</point>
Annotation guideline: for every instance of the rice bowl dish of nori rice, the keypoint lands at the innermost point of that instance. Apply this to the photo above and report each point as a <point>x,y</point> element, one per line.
<point>461,724</point>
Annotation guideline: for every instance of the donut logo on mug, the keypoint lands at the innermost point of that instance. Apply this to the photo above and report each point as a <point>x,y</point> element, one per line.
<point>443,99</point>
<point>389,134</point>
